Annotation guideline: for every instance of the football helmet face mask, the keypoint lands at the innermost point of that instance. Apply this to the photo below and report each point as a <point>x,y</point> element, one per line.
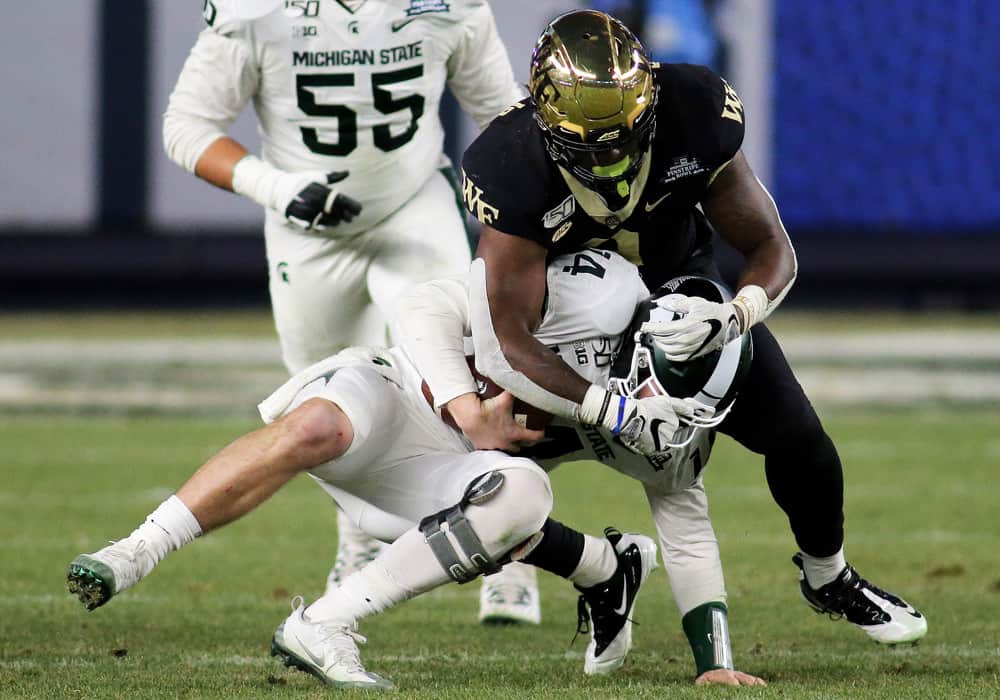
<point>594,99</point>
<point>641,370</point>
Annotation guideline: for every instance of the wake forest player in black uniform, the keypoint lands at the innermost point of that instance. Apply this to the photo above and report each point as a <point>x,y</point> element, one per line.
<point>613,151</point>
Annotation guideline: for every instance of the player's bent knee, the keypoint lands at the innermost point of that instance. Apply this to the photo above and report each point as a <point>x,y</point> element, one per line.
<point>525,501</point>
<point>318,430</point>
<point>500,510</point>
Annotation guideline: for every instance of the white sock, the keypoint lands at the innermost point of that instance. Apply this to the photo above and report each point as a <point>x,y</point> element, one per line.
<point>404,570</point>
<point>597,564</point>
<point>169,527</point>
<point>823,570</point>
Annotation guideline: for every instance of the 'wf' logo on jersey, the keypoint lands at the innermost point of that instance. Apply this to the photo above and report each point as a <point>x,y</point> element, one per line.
<point>733,107</point>
<point>487,213</point>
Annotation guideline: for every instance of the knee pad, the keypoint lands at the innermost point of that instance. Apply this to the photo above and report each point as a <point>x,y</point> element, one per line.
<point>480,559</point>
<point>479,491</point>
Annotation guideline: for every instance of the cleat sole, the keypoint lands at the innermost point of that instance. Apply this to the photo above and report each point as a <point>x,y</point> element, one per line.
<point>86,580</point>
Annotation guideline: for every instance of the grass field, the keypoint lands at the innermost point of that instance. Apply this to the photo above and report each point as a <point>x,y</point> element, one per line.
<point>922,520</point>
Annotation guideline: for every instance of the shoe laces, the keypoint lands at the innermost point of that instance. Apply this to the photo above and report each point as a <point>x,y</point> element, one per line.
<point>342,644</point>
<point>122,556</point>
<point>851,595</point>
<point>583,618</point>
<point>339,641</point>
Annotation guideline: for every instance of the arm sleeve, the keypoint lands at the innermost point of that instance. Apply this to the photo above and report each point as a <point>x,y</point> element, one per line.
<point>215,84</point>
<point>689,548</point>
<point>431,323</point>
<point>491,361</point>
<point>479,70</point>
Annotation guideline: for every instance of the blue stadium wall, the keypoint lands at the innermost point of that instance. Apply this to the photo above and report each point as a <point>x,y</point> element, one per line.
<point>886,117</point>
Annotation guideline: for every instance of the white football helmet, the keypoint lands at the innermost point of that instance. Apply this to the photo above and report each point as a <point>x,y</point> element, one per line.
<point>641,370</point>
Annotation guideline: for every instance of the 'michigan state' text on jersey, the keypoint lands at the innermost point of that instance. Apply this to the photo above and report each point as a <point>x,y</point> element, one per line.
<point>347,86</point>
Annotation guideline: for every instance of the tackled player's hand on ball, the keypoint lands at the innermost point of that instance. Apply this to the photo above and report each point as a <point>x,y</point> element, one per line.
<point>490,424</point>
<point>725,676</point>
<point>698,327</point>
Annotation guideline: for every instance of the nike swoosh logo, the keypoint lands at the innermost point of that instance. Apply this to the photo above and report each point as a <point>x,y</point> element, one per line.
<point>715,326</point>
<point>400,23</point>
<point>651,207</point>
<point>654,428</point>
<point>620,610</point>
<point>318,660</point>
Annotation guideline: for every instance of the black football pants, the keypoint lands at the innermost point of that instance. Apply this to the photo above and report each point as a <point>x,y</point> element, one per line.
<point>772,416</point>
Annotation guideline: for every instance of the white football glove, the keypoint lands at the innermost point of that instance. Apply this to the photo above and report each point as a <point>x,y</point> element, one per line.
<point>305,199</point>
<point>646,426</point>
<point>699,327</point>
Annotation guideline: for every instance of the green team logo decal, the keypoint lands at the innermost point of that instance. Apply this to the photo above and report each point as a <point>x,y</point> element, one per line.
<point>282,271</point>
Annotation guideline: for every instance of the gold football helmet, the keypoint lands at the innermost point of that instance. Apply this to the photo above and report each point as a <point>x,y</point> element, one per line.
<point>594,98</point>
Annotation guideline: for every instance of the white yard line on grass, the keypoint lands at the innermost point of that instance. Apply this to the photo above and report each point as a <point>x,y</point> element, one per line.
<point>231,374</point>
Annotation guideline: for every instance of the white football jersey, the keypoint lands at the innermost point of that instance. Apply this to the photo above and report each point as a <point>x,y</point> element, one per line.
<point>592,296</point>
<point>590,301</point>
<point>350,86</point>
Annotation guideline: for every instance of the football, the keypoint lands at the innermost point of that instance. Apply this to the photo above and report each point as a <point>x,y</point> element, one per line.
<point>525,414</point>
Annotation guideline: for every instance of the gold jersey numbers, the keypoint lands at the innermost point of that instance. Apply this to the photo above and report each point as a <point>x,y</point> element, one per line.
<point>732,108</point>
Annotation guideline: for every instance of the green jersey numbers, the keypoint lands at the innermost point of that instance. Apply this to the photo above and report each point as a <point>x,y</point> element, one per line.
<point>347,119</point>
<point>385,104</point>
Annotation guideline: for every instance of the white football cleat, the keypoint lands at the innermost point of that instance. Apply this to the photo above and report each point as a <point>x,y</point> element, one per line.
<point>885,617</point>
<point>510,596</point>
<point>355,549</point>
<point>329,652</point>
<point>607,608</point>
<point>96,578</point>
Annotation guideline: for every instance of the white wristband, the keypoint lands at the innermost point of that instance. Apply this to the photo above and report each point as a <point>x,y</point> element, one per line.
<point>255,179</point>
<point>603,407</point>
<point>753,301</point>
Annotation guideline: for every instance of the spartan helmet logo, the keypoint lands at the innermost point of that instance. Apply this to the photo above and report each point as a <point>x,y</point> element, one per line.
<point>594,99</point>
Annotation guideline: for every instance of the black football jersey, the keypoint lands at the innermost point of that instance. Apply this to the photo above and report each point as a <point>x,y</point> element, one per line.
<point>511,184</point>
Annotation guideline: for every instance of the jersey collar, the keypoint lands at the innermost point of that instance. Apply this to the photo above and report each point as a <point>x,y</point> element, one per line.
<point>595,206</point>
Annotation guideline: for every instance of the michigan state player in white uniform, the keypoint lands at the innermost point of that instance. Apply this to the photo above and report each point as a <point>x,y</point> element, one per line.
<point>402,473</point>
<point>360,200</point>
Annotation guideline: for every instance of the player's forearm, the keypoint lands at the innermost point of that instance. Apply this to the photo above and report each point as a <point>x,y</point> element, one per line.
<point>531,372</point>
<point>213,88</point>
<point>218,160</point>
<point>707,630</point>
<point>430,324</point>
<point>527,355</point>
<point>742,210</point>
<point>770,265</point>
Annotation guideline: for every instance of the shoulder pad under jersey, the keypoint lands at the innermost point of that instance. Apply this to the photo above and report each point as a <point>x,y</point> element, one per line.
<point>591,293</point>
<point>506,175</point>
<point>227,16</point>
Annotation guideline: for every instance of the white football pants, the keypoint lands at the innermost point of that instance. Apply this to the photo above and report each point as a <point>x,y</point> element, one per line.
<point>328,294</point>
